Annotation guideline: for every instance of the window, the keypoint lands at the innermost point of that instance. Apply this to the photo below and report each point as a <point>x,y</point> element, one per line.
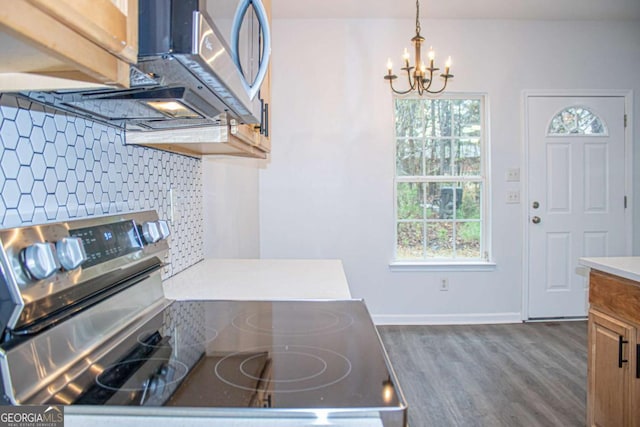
<point>576,121</point>
<point>440,180</point>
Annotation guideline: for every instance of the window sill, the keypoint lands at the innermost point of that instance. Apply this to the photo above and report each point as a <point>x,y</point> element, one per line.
<point>442,266</point>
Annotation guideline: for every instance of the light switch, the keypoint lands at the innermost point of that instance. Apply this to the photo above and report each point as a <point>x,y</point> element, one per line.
<point>513,196</point>
<point>513,175</point>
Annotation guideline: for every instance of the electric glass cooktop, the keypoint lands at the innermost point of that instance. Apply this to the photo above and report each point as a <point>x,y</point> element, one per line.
<point>252,359</point>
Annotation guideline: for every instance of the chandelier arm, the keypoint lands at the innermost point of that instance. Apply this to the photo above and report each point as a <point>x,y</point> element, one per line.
<point>430,80</point>
<point>441,90</point>
<point>411,83</point>
<point>399,92</point>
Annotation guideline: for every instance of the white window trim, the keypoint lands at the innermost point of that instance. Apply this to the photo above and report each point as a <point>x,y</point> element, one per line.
<point>487,264</point>
<point>462,265</point>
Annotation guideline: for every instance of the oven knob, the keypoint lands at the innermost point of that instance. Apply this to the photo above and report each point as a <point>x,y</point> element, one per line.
<point>164,229</point>
<point>40,260</point>
<point>151,232</point>
<point>71,252</point>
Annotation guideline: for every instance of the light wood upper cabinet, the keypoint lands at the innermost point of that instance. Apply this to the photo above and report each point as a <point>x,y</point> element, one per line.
<point>62,44</point>
<point>613,392</point>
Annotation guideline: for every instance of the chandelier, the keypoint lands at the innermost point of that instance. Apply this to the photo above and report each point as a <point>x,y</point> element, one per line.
<point>420,77</point>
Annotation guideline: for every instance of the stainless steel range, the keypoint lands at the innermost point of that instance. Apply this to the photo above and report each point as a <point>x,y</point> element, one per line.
<point>86,325</point>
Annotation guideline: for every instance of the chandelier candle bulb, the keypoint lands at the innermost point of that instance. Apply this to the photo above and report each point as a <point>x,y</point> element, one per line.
<point>406,57</point>
<point>447,65</point>
<point>389,65</point>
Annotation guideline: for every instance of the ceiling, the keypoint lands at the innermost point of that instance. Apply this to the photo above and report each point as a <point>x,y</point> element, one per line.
<point>459,9</point>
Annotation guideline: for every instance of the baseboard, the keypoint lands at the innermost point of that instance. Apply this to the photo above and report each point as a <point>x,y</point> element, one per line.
<point>446,319</point>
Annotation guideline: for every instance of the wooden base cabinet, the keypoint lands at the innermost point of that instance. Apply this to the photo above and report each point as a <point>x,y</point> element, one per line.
<point>613,392</point>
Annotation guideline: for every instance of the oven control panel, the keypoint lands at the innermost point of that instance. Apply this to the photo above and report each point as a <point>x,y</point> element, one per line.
<point>87,247</point>
<point>45,265</point>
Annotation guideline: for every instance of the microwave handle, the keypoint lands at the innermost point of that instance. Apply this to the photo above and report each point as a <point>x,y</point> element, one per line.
<point>261,13</point>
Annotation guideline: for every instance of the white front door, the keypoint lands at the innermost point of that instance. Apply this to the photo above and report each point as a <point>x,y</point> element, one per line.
<point>576,189</point>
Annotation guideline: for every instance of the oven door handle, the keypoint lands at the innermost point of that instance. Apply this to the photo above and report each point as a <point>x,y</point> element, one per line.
<point>82,304</point>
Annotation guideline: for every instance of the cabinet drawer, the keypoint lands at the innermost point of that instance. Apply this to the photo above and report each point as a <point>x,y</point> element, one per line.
<point>615,295</point>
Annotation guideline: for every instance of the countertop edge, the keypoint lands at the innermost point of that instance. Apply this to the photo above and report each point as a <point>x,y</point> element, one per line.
<point>626,267</point>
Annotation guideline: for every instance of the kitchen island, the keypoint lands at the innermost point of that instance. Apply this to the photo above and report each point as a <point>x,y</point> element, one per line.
<point>613,390</point>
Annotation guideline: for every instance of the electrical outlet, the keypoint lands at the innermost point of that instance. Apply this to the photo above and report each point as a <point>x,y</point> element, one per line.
<point>513,196</point>
<point>444,284</point>
<point>513,175</point>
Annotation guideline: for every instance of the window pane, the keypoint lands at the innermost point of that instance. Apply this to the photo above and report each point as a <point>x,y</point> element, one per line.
<point>467,152</point>
<point>440,239</point>
<point>410,239</point>
<point>439,200</point>
<point>466,117</point>
<point>469,195</point>
<point>437,157</point>
<point>468,240</point>
<point>410,197</point>
<point>438,113</point>
<point>411,120</point>
<point>409,157</point>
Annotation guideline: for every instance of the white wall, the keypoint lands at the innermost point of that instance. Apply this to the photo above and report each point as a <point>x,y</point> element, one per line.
<point>328,190</point>
<point>230,213</point>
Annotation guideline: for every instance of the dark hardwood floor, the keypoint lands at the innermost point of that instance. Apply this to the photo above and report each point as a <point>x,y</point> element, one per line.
<point>532,374</point>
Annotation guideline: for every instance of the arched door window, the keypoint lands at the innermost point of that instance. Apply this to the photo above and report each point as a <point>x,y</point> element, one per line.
<point>576,120</point>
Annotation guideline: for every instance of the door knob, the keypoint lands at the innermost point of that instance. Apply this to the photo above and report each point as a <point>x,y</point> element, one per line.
<point>536,220</point>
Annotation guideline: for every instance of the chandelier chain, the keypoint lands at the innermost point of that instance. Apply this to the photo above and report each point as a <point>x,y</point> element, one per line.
<point>418,17</point>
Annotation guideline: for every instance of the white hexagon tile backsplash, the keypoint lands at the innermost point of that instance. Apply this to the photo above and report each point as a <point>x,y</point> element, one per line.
<point>55,166</point>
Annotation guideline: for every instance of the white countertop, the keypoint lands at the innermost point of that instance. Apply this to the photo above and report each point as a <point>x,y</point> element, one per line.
<point>260,279</point>
<point>627,267</point>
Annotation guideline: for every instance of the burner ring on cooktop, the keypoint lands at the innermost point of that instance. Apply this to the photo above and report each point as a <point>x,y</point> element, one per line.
<point>340,367</point>
<point>314,322</point>
<point>289,380</point>
<point>180,371</point>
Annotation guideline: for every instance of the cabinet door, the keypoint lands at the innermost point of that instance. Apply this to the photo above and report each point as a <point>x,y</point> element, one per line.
<point>43,51</point>
<point>609,386</point>
<point>111,24</point>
